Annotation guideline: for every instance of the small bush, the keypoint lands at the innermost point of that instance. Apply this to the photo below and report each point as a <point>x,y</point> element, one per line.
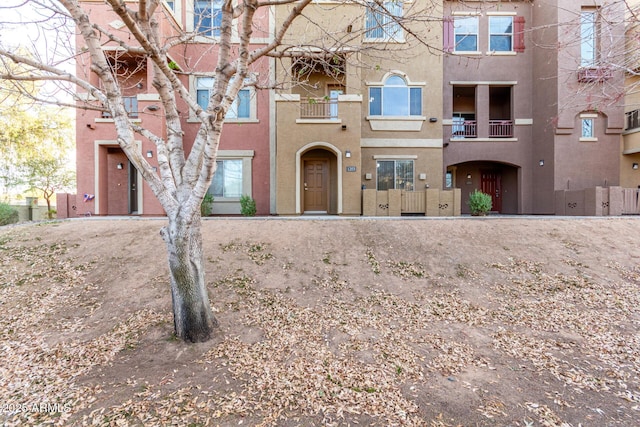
<point>479,203</point>
<point>8,215</point>
<point>206,207</point>
<point>247,206</point>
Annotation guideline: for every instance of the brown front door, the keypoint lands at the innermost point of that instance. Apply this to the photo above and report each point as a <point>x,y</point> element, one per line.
<point>315,185</point>
<point>491,184</point>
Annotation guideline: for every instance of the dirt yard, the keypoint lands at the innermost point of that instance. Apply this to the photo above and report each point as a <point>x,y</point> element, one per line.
<point>416,322</point>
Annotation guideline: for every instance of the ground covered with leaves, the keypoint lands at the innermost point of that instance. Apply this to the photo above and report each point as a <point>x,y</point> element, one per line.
<point>413,322</point>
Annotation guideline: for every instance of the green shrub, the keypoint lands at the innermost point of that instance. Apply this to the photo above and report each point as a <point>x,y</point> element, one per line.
<point>479,203</point>
<point>8,215</point>
<point>247,206</point>
<point>206,207</point>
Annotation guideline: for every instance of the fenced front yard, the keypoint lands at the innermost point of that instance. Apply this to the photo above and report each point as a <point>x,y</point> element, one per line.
<point>431,202</point>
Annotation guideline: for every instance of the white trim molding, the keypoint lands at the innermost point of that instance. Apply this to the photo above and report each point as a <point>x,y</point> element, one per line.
<point>400,143</point>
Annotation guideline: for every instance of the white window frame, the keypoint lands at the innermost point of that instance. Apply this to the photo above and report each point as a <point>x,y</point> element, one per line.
<point>216,8</point>
<point>391,31</point>
<point>220,169</point>
<point>395,166</point>
<point>231,205</point>
<point>476,34</point>
<point>588,119</point>
<point>230,117</point>
<point>382,85</point>
<point>511,34</point>
<point>589,38</point>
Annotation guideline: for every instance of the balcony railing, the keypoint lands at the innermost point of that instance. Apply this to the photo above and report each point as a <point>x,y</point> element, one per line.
<point>318,108</point>
<point>500,128</point>
<point>464,129</point>
<point>594,74</point>
<point>632,119</point>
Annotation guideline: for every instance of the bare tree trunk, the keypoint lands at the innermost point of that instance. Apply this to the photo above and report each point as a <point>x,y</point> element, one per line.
<point>192,315</point>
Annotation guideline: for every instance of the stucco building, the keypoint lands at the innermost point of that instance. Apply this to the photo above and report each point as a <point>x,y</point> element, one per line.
<point>523,98</point>
<point>108,184</point>
<point>363,112</point>
<point>509,97</point>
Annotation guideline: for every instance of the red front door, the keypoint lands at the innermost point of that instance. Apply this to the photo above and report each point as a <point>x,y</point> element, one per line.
<point>491,184</point>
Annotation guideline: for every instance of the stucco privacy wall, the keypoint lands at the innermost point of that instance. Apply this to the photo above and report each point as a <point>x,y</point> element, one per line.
<point>598,201</point>
<point>431,202</point>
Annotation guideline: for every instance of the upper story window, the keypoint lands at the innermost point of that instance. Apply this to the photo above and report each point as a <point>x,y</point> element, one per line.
<point>381,21</point>
<point>395,98</point>
<point>171,4</point>
<point>501,33</point>
<point>466,33</point>
<point>207,17</point>
<point>130,106</point>
<point>588,38</point>
<point>241,107</point>
<point>506,33</point>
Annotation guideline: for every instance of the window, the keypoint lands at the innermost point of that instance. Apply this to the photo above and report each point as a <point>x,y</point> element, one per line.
<point>633,119</point>
<point>207,17</point>
<point>227,181</point>
<point>587,128</point>
<point>395,98</point>
<point>501,33</point>
<point>241,107</point>
<point>130,106</point>
<point>381,21</point>
<point>203,90</point>
<point>466,34</point>
<point>588,38</point>
<point>395,174</point>
<point>171,4</point>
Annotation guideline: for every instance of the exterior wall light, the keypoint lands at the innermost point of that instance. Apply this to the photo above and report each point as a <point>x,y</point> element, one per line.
<point>347,154</point>
<point>541,162</point>
<point>634,166</point>
<point>468,176</point>
<point>120,166</point>
<point>149,153</point>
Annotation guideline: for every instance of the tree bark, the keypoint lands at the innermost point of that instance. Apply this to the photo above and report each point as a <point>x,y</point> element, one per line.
<point>192,315</point>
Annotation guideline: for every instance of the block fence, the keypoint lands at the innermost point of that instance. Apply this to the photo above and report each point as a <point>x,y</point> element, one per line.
<point>598,201</point>
<point>432,202</point>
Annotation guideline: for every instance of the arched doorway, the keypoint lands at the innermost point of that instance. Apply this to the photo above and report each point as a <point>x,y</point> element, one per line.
<point>319,182</point>
<point>500,180</point>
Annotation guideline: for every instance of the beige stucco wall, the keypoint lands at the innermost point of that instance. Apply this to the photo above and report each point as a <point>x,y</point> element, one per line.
<point>296,137</point>
<point>366,64</point>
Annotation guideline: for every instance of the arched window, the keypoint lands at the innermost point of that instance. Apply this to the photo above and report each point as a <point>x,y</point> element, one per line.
<point>395,98</point>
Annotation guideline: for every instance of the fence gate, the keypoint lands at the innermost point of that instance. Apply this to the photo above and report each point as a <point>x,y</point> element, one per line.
<point>630,201</point>
<point>413,202</point>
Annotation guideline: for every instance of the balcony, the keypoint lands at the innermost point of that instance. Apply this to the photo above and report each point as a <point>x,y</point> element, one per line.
<point>319,108</point>
<point>594,74</point>
<point>500,128</point>
<point>469,129</point>
<point>464,129</point>
<point>631,135</point>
